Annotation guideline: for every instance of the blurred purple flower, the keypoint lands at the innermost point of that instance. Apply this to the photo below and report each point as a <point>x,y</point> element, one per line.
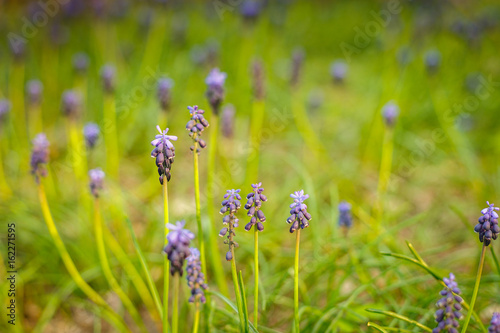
<point>80,63</point>
<point>71,103</point>
<point>297,61</point>
<point>34,89</point>
<point>195,277</point>
<point>448,313</point>
<point>96,181</point>
<point>345,216</point>
<point>165,85</point>
<point>215,88</point>
<point>4,109</point>
<point>338,70</point>
<point>432,60</point>
<point>39,156</point>
<point>108,73</point>
<point>91,133</point>
<point>228,121</point>
<point>250,9</point>
<point>390,112</point>
<point>177,249</point>
<point>495,323</point>
<point>258,79</point>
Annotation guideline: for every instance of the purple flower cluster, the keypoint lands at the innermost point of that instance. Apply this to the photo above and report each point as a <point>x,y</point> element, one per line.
<point>215,88</point>
<point>195,278</point>
<point>96,181</point>
<point>254,202</point>
<point>108,73</point>
<point>299,217</point>
<point>34,89</point>
<point>39,156</point>
<point>338,71</point>
<point>488,227</point>
<point>390,112</point>
<point>91,133</point>
<point>165,85</point>
<point>345,216</point>
<point>177,249</point>
<point>230,204</point>
<point>495,323</point>
<point>448,313</point>
<point>196,125</point>
<point>71,103</point>
<point>164,152</point>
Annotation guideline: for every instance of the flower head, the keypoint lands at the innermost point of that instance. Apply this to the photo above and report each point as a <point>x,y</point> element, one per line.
<point>227,120</point>
<point>297,61</point>
<point>91,133</point>
<point>230,205</point>
<point>96,181</point>
<point>345,216</point>
<point>215,88</point>
<point>71,103</point>
<point>495,323</point>
<point>253,205</point>
<point>196,125</point>
<point>108,73</point>
<point>4,109</point>
<point>448,313</point>
<point>250,9</point>
<point>299,217</point>
<point>195,277</point>
<point>338,70</point>
<point>34,89</point>
<point>164,152</point>
<point>80,63</point>
<point>488,227</point>
<point>177,249</point>
<point>390,112</point>
<point>165,85</point>
<point>39,156</point>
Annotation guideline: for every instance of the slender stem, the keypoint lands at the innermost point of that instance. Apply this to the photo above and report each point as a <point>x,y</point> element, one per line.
<point>108,274</point>
<point>237,290</point>
<point>166,263</point>
<point>212,236</point>
<point>256,291</point>
<point>4,186</point>
<point>476,289</point>
<point>175,310</point>
<point>257,120</point>
<point>70,266</point>
<point>196,317</point>
<point>111,136</point>
<point>201,242</point>
<point>296,283</point>
<point>77,150</point>
<point>384,174</point>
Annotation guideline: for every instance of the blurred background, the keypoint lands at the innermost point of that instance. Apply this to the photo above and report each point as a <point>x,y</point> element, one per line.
<point>324,72</point>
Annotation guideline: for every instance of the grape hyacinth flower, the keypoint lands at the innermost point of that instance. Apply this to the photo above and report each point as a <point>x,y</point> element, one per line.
<point>4,109</point>
<point>215,88</point>
<point>165,85</point>
<point>230,204</point>
<point>390,112</point>
<point>108,73</point>
<point>495,323</point>
<point>488,228</point>
<point>91,133</point>
<point>71,103</point>
<point>448,313</point>
<point>258,79</point>
<point>164,152</point>
<point>253,205</point>
<point>297,61</point>
<point>195,277</point>
<point>250,9</point>
<point>338,70</point>
<point>345,216</point>
<point>228,121</point>
<point>34,89</point>
<point>80,63</point>
<point>299,217</point>
<point>196,125</point>
<point>96,181</point>
<point>177,249</point>
<point>39,156</point>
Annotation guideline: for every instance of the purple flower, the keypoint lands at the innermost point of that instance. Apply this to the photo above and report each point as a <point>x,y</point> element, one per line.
<point>338,70</point>
<point>227,120</point>
<point>495,323</point>
<point>91,133</point>
<point>164,152</point>
<point>345,216</point>
<point>432,60</point>
<point>390,112</point>
<point>71,103</point>
<point>448,313</point>
<point>196,125</point>
<point>18,48</point>
<point>258,79</point>
<point>4,109</point>
<point>230,205</point>
<point>39,156</point>
<point>96,181</point>
<point>108,73</point>
<point>250,9</point>
<point>215,88</point>
<point>177,249</point>
<point>195,277</point>
<point>80,63</point>
<point>299,217</point>
<point>34,89</point>
<point>488,228</point>
<point>163,93</point>
<point>253,205</point>
<point>297,61</point>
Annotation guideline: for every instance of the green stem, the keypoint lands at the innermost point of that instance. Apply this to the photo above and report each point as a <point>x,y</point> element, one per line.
<point>201,242</point>
<point>77,150</point>
<point>256,291</point>
<point>384,174</point>
<point>476,289</point>
<point>196,317</point>
<point>237,290</point>
<point>175,310</point>
<point>111,136</point>
<point>212,236</point>
<point>166,263</point>
<point>296,284</point>
<point>108,274</point>
<point>255,136</point>
<point>70,266</point>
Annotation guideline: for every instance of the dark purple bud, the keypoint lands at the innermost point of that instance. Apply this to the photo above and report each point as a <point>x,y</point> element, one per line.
<point>229,256</point>
<point>260,226</point>
<point>261,216</point>
<point>223,232</point>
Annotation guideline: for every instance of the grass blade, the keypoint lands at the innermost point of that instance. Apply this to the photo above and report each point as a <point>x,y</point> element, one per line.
<point>400,317</point>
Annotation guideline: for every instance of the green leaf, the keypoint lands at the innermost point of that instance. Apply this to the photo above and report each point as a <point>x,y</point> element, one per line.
<point>400,317</point>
